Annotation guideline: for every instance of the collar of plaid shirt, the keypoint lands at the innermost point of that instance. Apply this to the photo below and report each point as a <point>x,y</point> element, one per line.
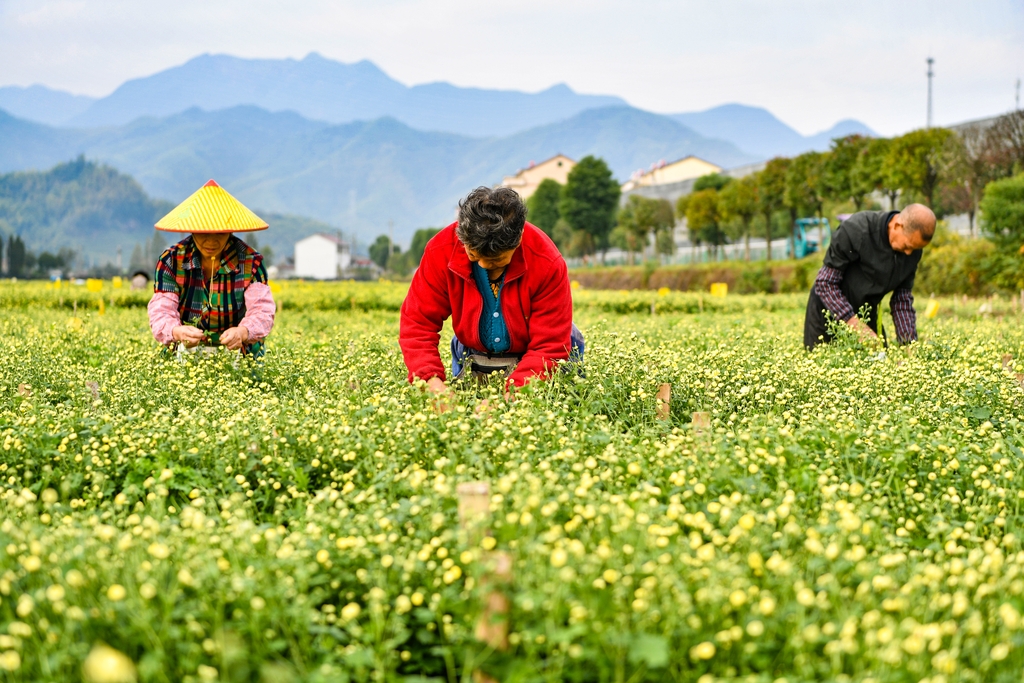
<point>229,259</point>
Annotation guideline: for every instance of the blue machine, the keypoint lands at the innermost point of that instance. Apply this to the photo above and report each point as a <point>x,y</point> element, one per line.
<point>802,246</point>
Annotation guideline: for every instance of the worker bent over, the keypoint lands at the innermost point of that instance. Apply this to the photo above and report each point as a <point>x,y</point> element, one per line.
<point>872,253</point>
<point>506,288</point>
<point>210,289</point>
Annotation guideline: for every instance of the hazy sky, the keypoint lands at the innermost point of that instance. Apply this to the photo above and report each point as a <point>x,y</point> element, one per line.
<point>811,62</point>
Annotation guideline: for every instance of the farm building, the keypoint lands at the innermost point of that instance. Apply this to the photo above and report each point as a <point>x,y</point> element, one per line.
<point>321,257</point>
<point>526,180</point>
<point>687,168</point>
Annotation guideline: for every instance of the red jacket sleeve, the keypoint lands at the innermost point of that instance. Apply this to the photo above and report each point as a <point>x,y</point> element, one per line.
<point>424,311</point>
<point>550,327</point>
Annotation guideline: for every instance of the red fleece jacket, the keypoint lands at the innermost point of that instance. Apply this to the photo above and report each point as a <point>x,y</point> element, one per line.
<point>536,304</point>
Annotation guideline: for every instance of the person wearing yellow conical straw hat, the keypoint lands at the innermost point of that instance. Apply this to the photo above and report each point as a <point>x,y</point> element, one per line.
<point>211,288</point>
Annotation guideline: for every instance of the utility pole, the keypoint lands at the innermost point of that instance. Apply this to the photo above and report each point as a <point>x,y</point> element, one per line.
<point>930,74</point>
<point>1017,98</point>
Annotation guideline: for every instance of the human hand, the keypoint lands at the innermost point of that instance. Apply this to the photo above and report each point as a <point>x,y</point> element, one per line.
<point>188,335</point>
<point>234,337</point>
<point>865,333</point>
<point>442,393</point>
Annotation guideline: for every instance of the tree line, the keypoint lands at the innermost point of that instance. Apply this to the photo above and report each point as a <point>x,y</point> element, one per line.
<point>945,169</point>
<point>24,263</point>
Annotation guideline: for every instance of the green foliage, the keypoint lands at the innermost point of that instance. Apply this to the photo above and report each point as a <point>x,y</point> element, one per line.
<point>914,161</point>
<point>638,220</point>
<point>771,191</point>
<point>590,199</point>
<point>703,218</point>
<point>542,206</point>
<point>806,184</point>
<point>1003,212</point>
<point>738,205</point>
<point>953,265</point>
<point>561,234</point>
<point>711,181</point>
<point>802,276</point>
<point>382,251</point>
<point>419,243</point>
<point>81,205</point>
<point>17,262</point>
<point>756,281</point>
<point>842,180</point>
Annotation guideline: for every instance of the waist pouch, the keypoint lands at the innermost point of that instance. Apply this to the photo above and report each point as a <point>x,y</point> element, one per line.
<point>485,365</point>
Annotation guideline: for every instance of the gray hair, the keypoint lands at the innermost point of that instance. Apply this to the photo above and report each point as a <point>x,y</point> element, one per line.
<point>491,221</point>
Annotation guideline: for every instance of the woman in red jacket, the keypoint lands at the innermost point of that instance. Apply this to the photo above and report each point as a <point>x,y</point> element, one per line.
<point>506,288</point>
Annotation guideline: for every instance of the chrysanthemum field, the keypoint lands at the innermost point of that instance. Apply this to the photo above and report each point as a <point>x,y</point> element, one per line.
<point>840,516</point>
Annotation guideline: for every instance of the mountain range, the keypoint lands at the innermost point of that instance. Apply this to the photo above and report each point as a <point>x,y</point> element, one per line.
<point>348,146</point>
<point>322,89</point>
<point>358,176</point>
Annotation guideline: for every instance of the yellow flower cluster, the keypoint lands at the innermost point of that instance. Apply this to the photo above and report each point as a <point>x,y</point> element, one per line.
<point>835,516</point>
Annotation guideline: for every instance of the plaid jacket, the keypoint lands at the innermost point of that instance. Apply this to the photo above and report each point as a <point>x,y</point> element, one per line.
<point>179,271</point>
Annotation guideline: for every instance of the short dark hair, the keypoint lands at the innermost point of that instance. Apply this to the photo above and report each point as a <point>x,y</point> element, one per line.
<point>491,221</point>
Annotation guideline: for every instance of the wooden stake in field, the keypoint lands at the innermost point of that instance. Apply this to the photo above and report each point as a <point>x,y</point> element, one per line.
<point>474,507</point>
<point>664,400</point>
<point>701,422</point>
<point>474,513</point>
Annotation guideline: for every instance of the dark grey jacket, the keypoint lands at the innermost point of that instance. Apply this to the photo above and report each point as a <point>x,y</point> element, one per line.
<point>871,269</point>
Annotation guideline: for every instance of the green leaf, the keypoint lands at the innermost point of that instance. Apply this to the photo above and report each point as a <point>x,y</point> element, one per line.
<point>649,649</point>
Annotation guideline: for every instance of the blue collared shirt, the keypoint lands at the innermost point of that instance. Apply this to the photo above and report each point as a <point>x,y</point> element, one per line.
<point>493,332</point>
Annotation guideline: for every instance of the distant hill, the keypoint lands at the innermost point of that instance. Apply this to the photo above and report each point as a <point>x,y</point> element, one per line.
<point>43,105</point>
<point>357,176</point>
<point>326,90</point>
<point>757,131</point>
<point>90,208</point>
<point>93,209</point>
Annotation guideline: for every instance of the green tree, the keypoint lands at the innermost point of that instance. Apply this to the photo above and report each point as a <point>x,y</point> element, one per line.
<point>561,234</point>
<point>1002,213</point>
<point>379,252</point>
<point>17,257</point>
<point>703,219</point>
<point>419,244</point>
<point>806,188</point>
<point>581,244</point>
<point>914,162</point>
<point>638,220</point>
<point>542,206</point>
<point>842,183</point>
<point>872,169</point>
<point>711,181</point>
<point>590,199</point>
<point>738,204</point>
<point>771,193</point>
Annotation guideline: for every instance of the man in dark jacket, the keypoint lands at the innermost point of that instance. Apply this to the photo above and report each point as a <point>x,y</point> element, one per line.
<point>871,254</point>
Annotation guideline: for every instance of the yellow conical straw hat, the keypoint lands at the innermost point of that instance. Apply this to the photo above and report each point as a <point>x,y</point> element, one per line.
<point>211,209</point>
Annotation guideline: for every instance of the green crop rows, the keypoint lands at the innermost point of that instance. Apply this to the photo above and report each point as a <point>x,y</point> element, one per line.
<point>843,517</point>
